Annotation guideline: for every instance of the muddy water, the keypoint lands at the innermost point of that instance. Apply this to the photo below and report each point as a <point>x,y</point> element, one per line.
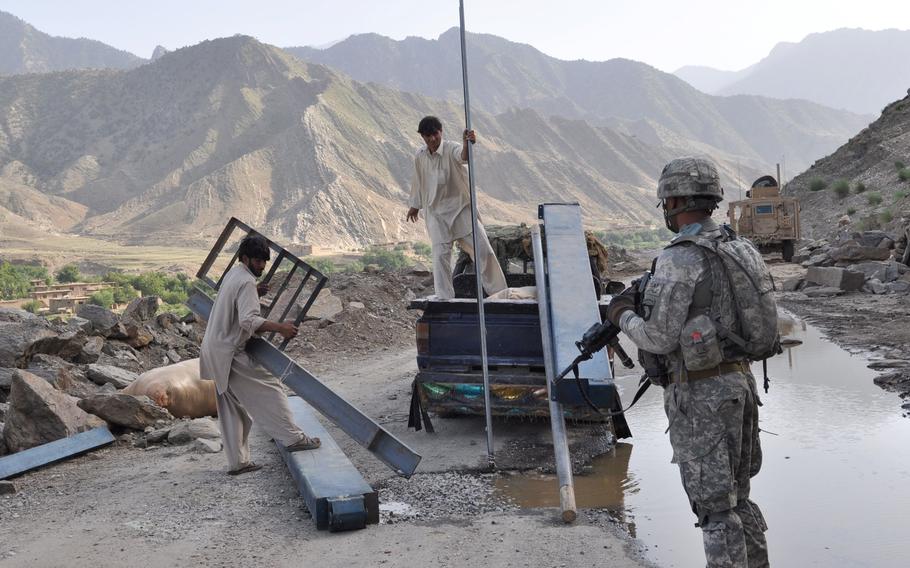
<point>834,486</point>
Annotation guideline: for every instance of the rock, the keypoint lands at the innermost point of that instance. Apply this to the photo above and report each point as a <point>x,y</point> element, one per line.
<point>101,374</point>
<point>138,336</point>
<point>821,259</point>
<point>822,292</point>
<point>4,408</point>
<point>6,378</point>
<point>15,337</point>
<point>188,318</point>
<point>420,269</point>
<point>888,364</point>
<point>67,346</point>
<point>887,271</point>
<point>136,412</point>
<point>853,253</point>
<point>16,315</point>
<point>372,269</point>
<point>205,446</point>
<point>356,305</point>
<point>409,295</point>
<point>7,488</point>
<point>847,280</point>
<point>326,306</point>
<point>875,286</point>
<point>91,351</point>
<point>39,414</point>
<point>166,320</point>
<point>799,258</point>
<point>76,323</point>
<point>872,238</point>
<point>157,436</point>
<point>792,284</point>
<point>898,287</point>
<point>102,319</point>
<point>142,309</point>
<point>173,356</point>
<point>186,431</point>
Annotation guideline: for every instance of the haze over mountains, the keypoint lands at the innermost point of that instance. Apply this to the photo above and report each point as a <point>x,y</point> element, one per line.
<point>627,95</point>
<point>23,49</point>
<point>167,151</point>
<point>853,69</point>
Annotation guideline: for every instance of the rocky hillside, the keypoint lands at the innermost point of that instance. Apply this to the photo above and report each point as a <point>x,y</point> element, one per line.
<point>854,69</point>
<point>23,49</point>
<point>168,151</point>
<point>655,106</point>
<point>865,183</point>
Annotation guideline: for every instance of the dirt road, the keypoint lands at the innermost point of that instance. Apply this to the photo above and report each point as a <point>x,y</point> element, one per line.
<point>168,506</point>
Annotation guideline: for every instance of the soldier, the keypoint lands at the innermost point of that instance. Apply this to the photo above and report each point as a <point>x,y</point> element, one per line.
<point>686,315</point>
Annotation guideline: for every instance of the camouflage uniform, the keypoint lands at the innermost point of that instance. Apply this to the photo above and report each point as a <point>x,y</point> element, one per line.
<point>714,420</point>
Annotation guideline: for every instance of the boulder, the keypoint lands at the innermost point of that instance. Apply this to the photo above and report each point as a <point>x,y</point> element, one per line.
<point>189,430</point>
<point>4,408</point>
<point>820,259</point>
<point>871,238</point>
<point>206,446</point>
<point>854,253</point>
<point>792,284</point>
<point>875,286</point>
<point>16,315</point>
<point>15,337</point>
<point>822,292</point>
<point>91,351</point>
<point>847,280</point>
<point>157,435</point>
<point>6,379</point>
<point>76,323</point>
<point>137,335</point>
<point>898,287</point>
<point>136,412</point>
<point>101,374</point>
<point>102,319</point>
<point>142,309</point>
<point>420,269</point>
<point>326,306</point>
<point>39,414</point>
<point>887,271</point>
<point>67,345</point>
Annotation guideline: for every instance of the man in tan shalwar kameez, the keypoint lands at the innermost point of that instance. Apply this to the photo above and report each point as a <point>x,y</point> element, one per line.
<point>245,392</point>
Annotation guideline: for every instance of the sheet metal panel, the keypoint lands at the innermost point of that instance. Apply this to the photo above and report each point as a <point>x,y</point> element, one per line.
<point>573,305</point>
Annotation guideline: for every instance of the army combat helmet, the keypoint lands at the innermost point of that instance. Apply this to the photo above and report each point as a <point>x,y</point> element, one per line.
<point>694,179</point>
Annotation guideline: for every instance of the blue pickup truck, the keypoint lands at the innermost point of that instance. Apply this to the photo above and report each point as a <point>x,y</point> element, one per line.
<point>449,379</point>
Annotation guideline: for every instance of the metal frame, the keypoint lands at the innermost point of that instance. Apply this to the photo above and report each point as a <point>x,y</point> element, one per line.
<point>282,254</point>
<point>52,452</point>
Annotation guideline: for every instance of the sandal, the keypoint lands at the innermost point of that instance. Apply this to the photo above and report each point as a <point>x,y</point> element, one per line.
<point>305,443</point>
<point>247,468</point>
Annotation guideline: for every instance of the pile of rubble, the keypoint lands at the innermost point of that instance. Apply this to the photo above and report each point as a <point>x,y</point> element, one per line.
<point>59,379</point>
<point>852,262</point>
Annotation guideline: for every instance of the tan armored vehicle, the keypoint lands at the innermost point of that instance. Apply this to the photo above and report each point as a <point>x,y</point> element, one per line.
<point>766,218</point>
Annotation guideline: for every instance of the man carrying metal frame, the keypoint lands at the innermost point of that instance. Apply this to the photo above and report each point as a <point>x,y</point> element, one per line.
<point>245,392</point>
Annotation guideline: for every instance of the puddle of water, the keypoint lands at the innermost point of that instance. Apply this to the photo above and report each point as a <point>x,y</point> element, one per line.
<point>834,485</point>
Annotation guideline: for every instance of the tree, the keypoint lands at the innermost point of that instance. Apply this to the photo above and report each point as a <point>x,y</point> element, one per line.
<point>69,273</point>
<point>103,298</point>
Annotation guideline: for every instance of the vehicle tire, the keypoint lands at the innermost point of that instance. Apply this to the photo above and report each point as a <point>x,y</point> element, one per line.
<point>787,252</point>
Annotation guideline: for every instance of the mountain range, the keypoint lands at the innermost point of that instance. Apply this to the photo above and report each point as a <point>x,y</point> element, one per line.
<point>629,96</point>
<point>854,69</point>
<point>168,151</point>
<point>23,49</point>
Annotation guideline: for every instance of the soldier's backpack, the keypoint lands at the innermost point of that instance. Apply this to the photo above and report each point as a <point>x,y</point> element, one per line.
<point>752,287</point>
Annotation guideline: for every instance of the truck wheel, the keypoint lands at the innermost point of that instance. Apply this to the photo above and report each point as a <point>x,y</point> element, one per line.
<point>787,252</point>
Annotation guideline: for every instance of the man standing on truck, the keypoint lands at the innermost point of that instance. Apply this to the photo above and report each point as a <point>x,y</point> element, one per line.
<point>440,187</point>
<point>687,321</point>
<point>245,392</point>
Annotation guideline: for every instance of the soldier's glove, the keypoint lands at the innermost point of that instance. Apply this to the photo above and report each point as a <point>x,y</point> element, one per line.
<point>620,304</point>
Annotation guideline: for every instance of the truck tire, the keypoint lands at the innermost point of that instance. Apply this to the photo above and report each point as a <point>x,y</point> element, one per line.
<point>787,251</point>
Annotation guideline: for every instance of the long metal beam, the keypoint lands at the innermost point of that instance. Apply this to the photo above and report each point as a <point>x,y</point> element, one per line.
<point>334,491</point>
<point>362,429</point>
<point>55,451</point>
<point>557,418</point>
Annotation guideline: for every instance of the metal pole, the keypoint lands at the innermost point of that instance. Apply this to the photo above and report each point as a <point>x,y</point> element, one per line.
<point>477,269</point>
<point>557,419</point>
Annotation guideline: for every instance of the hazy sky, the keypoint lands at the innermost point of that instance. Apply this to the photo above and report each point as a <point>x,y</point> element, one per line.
<point>665,33</point>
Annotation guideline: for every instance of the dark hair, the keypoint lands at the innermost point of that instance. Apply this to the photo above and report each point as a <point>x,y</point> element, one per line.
<point>429,125</point>
<point>254,246</point>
